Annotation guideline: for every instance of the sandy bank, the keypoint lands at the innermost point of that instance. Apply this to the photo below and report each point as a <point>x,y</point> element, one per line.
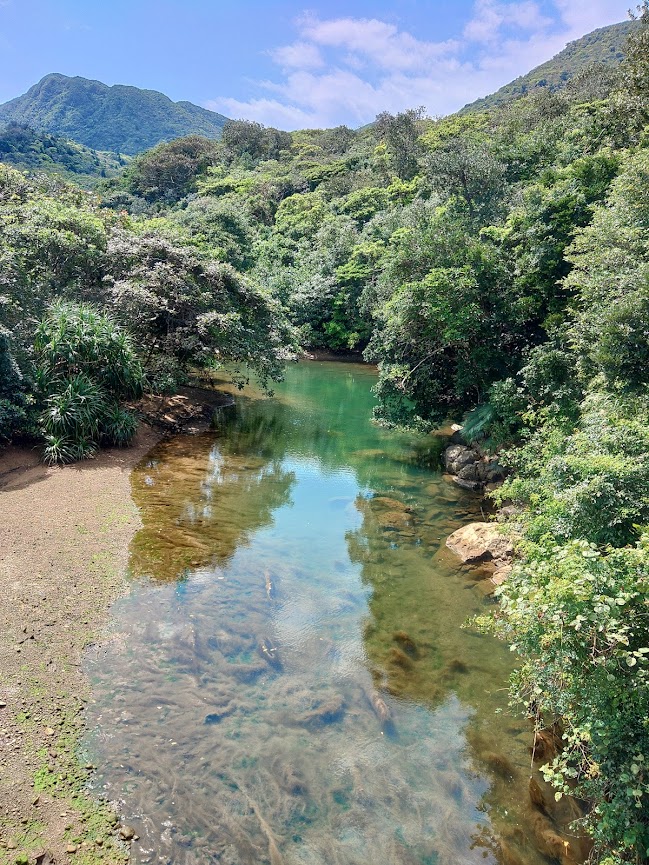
<point>64,536</point>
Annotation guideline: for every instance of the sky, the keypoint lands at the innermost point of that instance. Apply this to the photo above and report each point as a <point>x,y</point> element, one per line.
<point>294,64</point>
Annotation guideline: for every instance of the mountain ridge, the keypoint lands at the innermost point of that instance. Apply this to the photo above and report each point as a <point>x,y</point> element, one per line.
<point>604,46</point>
<point>120,117</point>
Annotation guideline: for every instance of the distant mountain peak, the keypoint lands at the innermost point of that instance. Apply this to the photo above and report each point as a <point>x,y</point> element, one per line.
<point>119,117</point>
<point>604,45</point>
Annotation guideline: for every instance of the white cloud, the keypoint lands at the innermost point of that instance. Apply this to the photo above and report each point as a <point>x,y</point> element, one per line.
<point>582,16</point>
<point>347,70</point>
<point>379,42</point>
<point>268,111</point>
<point>300,55</point>
<point>490,18</point>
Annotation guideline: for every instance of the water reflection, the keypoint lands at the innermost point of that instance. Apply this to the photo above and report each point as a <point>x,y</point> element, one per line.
<point>289,680</point>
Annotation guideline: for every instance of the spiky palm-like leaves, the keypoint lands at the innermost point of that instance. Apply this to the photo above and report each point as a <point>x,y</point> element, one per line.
<point>119,426</point>
<point>77,338</point>
<point>86,364</point>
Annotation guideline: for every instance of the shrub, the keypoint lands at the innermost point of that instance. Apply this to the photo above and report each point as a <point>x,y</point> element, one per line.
<point>577,616</point>
<point>85,366</point>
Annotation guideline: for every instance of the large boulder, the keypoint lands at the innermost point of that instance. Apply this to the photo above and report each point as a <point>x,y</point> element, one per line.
<point>477,543</point>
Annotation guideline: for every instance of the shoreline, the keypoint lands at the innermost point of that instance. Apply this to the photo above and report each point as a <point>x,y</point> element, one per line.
<point>64,539</point>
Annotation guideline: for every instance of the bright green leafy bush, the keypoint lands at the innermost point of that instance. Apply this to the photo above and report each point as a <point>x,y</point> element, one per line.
<point>577,616</point>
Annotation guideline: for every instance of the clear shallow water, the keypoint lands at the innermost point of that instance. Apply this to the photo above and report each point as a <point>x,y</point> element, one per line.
<point>289,680</point>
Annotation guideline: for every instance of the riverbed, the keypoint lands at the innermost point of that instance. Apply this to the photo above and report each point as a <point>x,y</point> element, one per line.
<point>292,677</point>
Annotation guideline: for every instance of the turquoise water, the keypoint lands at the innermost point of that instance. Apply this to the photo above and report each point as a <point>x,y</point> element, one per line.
<point>289,679</point>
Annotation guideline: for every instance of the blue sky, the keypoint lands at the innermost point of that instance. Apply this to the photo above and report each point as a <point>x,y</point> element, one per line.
<point>294,64</point>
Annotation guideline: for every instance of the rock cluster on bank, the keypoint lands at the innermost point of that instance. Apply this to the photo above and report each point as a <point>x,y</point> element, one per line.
<point>471,468</point>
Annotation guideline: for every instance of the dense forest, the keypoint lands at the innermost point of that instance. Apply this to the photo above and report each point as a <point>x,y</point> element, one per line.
<point>495,265</point>
<point>24,148</point>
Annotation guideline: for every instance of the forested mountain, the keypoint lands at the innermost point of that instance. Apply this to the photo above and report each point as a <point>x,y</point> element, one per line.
<point>119,118</point>
<point>494,264</point>
<point>28,150</point>
<point>603,46</point>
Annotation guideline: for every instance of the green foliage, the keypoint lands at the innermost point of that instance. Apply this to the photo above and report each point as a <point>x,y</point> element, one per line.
<point>245,138</point>
<point>575,609</point>
<point>539,231</point>
<point>163,285</point>
<point>400,135</point>
<point>169,171</point>
<point>576,615</point>
<point>452,325</point>
<point>78,340</point>
<point>611,275</point>
<point>466,167</point>
<point>590,483</point>
<point>52,244</point>
<point>217,227</point>
<point>85,364</point>
<point>185,307</point>
<point>12,391</point>
<point>363,204</point>
<point>443,339</point>
<point>477,422</point>
<point>636,68</point>
<point>23,148</point>
<point>300,216</point>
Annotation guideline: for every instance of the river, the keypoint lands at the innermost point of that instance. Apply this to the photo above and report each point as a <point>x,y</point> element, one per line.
<point>290,679</point>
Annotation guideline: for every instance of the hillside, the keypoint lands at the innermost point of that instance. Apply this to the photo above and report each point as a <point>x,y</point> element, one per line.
<point>605,46</point>
<point>28,150</point>
<point>120,118</point>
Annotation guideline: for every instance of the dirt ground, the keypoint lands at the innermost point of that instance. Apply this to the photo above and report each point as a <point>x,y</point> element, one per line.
<point>64,536</point>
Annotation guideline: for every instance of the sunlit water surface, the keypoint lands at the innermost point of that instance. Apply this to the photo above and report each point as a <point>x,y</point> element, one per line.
<point>289,680</point>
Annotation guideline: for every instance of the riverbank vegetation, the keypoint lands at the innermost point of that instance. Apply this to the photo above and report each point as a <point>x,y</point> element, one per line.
<point>494,265</point>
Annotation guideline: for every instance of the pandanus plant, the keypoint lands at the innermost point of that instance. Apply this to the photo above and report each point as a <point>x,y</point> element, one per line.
<point>85,366</point>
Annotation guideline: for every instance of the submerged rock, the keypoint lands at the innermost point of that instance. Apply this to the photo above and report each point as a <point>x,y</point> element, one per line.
<point>500,765</point>
<point>568,851</point>
<point>500,575</point>
<point>547,744</point>
<point>389,504</point>
<point>400,659</point>
<point>217,717</point>
<point>554,824</point>
<point>394,520</point>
